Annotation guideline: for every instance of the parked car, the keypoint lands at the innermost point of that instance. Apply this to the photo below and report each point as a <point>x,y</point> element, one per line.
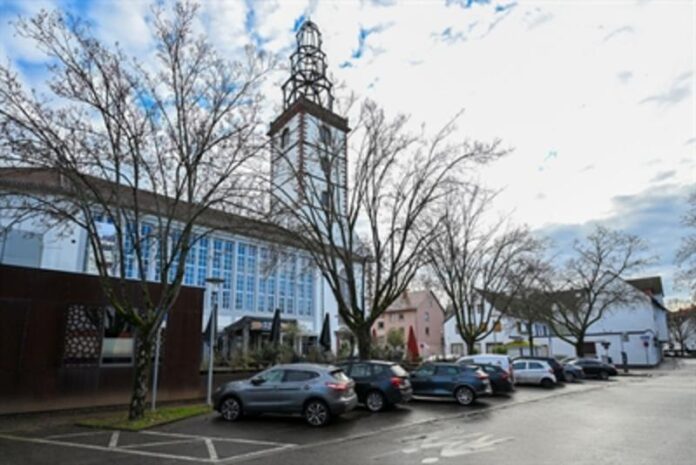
<point>499,378</point>
<point>595,368</point>
<point>553,363</point>
<point>573,373</point>
<point>379,385</point>
<point>437,379</point>
<point>317,392</point>
<point>534,372</point>
<point>503,361</point>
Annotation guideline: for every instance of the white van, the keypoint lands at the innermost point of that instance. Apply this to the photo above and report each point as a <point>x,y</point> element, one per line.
<point>503,361</point>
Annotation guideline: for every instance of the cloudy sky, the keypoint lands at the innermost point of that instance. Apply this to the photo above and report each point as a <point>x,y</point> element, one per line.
<point>596,98</point>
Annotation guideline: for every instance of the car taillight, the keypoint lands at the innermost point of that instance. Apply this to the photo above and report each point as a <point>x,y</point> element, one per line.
<point>396,381</point>
<point>340,387</point>
<point>481,376</point>
<point>504,376</point>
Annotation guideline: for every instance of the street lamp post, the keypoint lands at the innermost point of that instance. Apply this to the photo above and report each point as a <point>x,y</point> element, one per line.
<point>214,291</point>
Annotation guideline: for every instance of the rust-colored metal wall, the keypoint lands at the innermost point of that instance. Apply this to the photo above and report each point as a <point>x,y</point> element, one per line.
<point>33,309</point>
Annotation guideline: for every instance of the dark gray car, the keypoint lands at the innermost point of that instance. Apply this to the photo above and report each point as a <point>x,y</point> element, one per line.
<point>317,392</point>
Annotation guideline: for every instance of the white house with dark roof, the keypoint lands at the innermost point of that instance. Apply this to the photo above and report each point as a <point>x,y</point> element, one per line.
<point>639,329</point>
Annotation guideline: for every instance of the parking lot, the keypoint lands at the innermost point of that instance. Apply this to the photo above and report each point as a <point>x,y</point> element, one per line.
<point>209,439</point>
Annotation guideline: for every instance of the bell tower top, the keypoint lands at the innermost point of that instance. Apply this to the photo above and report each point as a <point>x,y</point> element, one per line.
<point>308,70</point>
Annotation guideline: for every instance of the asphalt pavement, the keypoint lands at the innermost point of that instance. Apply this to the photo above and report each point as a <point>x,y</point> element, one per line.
<point>631,420</point>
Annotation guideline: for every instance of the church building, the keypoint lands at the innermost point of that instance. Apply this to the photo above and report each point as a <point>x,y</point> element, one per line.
<point>304,137</point>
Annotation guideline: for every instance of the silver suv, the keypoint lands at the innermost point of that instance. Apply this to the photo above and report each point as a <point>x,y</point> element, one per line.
<point>317,392</point>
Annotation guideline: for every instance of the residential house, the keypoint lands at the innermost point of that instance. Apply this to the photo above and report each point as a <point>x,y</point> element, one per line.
<point>419,310</point>
<point>638,329</point>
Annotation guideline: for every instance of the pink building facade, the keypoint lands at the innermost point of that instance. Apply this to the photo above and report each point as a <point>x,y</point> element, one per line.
<point>422,311</point>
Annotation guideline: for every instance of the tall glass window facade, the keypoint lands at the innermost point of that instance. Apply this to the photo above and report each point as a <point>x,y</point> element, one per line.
<point>305,287</point>
<point>132,267</point>
<point>267,282</point>
<point>255,279</point>
<point>245,277</point>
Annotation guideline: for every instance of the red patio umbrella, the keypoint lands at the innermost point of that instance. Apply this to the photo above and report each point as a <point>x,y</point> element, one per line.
<point>412,344</point>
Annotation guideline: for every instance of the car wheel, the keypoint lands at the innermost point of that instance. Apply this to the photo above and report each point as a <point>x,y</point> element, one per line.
<point>316,413</point>
<point>464,396</point>
<point>231,409</point>
<point>603,375</point>
<point>570,377</point>
<point>375,401</point>
<point>547,383</point>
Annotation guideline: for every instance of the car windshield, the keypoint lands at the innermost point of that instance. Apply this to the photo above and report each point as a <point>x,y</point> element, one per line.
<point>398,370</point>
<point>340,375</point>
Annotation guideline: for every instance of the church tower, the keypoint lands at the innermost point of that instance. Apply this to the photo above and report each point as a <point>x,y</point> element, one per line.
<point>309,140</point>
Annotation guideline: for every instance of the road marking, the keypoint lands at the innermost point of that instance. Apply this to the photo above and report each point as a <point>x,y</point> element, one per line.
<point>113,441</point>
<point>211,449</point>
<point>74,435</point>
<point>104,449</point>
<point>218,438</point>
<point>159,443</point>
<point>133,448</point>
<point>425,421</point>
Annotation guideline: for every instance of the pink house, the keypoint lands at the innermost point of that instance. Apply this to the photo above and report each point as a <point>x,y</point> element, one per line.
<point>421,310</point>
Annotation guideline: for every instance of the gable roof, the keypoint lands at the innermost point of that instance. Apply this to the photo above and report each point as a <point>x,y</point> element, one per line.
<point>650,285</point>
<point>412,300</point>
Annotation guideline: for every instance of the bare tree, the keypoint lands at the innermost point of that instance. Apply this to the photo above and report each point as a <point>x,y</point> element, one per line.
<point>686,255</point>
<point>681,321</point>
<point>476,262</point>
<point>534,298</point>
<point>137,154</point>
<point>592,282</point>
<point>366,229</point>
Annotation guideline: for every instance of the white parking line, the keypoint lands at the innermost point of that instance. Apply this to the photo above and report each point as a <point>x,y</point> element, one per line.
<point>211,449</point>
<point>104,449</point>
<point>134,449</point>
<point>159,443</point>
<point>74,435</point>
<point>113,441</point>
<point>219,438</point>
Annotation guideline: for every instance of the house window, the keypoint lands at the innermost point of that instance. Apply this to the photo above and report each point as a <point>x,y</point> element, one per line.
<point>401,317</point>
<point>380,325</point>
<point>324,199</point>
<point>427,331</point>
<point>284,138</point>
<point>457,348</point>
<point>427,316</point>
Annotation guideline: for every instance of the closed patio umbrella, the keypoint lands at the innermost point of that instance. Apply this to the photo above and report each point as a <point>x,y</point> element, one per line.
<point>325,337</point>
<point>275,328</point>
<point>412,344</point>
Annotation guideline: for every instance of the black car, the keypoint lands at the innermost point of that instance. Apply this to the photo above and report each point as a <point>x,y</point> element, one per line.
<point>379,384</point>
<point>573,373</point>
<point>499,378</point>
<point>463,382</point>
<point>595,368</point>
<point>553,363</point>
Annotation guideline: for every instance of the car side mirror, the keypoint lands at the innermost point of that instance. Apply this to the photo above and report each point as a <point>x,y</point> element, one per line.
<point>257,381</point>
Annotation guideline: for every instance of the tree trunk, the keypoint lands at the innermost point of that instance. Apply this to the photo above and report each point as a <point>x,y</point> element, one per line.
<point>364,342</point>
<point>530,338</point>
<point>580,346</point>
<point>470,346</point>
<point>141,375</point>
